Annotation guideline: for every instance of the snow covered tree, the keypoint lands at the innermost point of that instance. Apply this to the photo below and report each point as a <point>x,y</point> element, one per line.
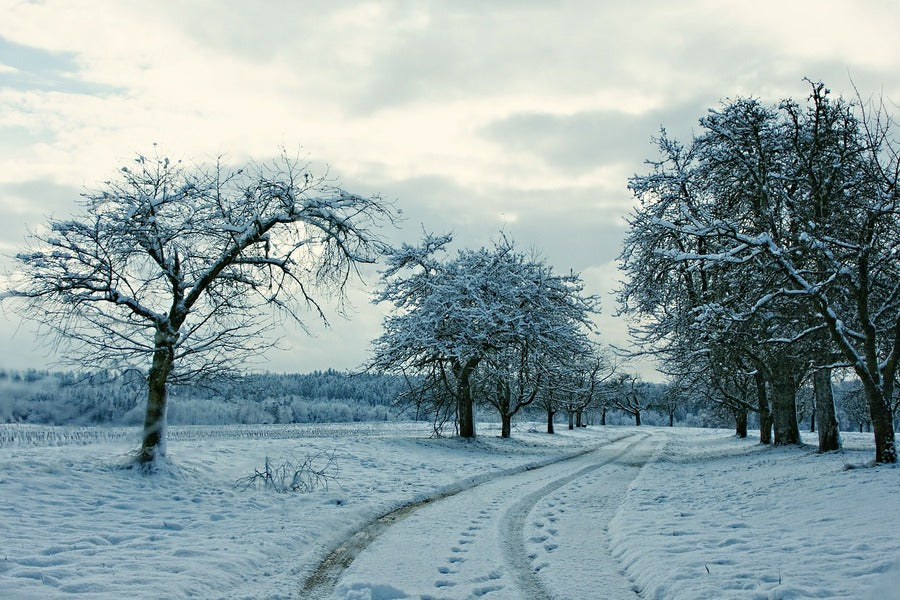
<point>493,309</point>
<point>797,209</point>
<point>177,265</point>
<point>550,344</point>
<point>588,374</point>
<point>669,402</point>
<point>824,411</point>
<point>629,396</point>
<point>557,386</point>
<point>509,380</point>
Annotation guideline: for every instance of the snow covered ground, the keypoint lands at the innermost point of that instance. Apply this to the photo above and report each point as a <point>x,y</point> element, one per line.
<point>631,512</point>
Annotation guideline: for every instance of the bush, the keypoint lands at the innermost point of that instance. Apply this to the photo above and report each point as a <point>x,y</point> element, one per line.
<point>314,472</point>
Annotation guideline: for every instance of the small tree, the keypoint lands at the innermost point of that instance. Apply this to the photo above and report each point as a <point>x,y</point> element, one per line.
<point>630,396</point>
<point>509,381</point>
<point>669,402</point>
<point>556,387</point>
<point>589,373</point>
<point>175,264</point>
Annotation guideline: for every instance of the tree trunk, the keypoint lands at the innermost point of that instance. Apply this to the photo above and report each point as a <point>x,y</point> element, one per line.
<point>882,421</point>
<point>503,402</point>
<point>672,417</point>
<point>153,445</point>
<point>765,414</point>
<point>829,438</point>
<point>740,418</point>
<point>505,425</point>
<point>603,416</point>
<point>637,418</point>
<point>784,405</point>
<point>465,408</point>
<point>571,419</point>
<point>550,413</point>
<point>579,418</point>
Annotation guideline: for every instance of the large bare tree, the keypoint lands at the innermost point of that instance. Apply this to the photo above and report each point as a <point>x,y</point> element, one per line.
<point>177,265</point>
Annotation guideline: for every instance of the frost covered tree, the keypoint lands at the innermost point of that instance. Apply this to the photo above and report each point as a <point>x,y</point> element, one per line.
<point>176,265</point>
<point>588,373</point>
<point>797,208</point>
<point>491,319</point>
<point>557,386</point>
<point>630,396</point>
<point>671,399</point>
<point>509,380</point>
<point>551,347</point>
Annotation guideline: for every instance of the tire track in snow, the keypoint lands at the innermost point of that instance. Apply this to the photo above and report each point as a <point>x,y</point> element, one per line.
<point>515,552</point>
<point>322,582</point>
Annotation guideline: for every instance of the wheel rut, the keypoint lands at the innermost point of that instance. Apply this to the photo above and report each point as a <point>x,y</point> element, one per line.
<point>482,518</point>
<point>515,552</point>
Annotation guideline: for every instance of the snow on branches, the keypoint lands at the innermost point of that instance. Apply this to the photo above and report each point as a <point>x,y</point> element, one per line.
<point>452,315</point>
<point>777,227</point>
<point>175,264</point>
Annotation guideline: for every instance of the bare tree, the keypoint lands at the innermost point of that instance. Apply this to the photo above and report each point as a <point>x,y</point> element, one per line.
<point>669,402</point>
<point>176,264</point>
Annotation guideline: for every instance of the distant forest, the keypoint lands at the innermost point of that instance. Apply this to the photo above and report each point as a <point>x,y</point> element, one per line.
<point>100,398</point>
<point>64,398</point>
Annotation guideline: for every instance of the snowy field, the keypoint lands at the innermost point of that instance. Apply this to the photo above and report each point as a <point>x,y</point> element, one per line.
<point>618,512</point>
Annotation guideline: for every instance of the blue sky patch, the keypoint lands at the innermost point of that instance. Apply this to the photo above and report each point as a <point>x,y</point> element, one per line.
<point>42,70</point>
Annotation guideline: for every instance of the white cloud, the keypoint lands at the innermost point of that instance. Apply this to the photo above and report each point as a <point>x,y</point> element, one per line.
<point>397,96</point>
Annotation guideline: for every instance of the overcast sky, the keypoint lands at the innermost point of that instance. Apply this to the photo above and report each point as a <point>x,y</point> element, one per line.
<point>474,116</point>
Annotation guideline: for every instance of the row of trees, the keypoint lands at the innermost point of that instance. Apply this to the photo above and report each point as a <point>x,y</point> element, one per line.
<point>492,325</point>
<point>72,398</point>
<point>767,252</point>
<point>764,253</point>
<point>185,266</point>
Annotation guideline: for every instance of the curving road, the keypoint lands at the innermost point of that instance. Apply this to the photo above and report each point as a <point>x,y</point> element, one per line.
<point>537,534</point>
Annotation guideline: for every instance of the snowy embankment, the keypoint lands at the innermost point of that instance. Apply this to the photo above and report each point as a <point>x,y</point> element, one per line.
<point>719,517</point>
<point>710,517</point>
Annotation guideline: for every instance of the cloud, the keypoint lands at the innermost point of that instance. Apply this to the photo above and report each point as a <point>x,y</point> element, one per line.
<point>586,140</point>
<point>31,68</point>
<point>526,117</point>
<point>24,205</point>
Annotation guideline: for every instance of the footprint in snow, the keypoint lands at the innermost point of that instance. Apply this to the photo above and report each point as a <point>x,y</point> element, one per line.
<point>487,589</point>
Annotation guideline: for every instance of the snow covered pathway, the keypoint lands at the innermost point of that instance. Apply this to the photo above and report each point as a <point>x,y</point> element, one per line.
<point>518,536</point>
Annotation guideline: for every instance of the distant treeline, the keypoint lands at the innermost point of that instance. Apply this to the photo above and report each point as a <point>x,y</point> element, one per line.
<point>67,398</point>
